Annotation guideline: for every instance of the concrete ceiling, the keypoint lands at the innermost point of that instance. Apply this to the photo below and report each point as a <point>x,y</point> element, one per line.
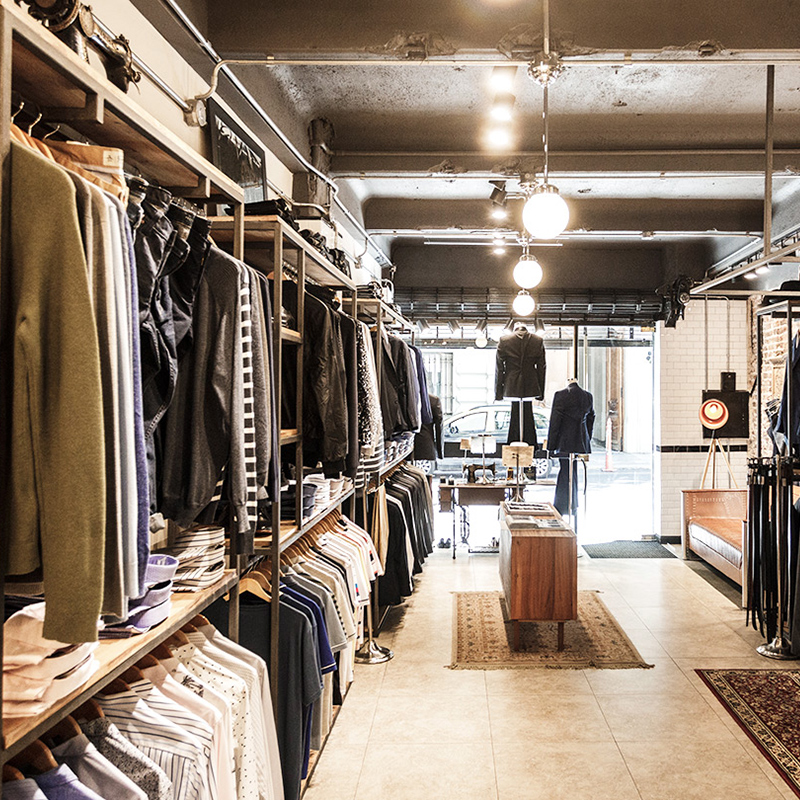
<point>657,123</point>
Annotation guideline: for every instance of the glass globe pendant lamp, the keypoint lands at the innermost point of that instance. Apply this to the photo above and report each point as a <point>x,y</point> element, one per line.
<point>545,214</point>
<point>528,272</point>
<point>524,305</point>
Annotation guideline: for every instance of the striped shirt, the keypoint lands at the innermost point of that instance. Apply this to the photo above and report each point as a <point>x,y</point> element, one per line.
<point>187,721</point>
<point>176,751</point>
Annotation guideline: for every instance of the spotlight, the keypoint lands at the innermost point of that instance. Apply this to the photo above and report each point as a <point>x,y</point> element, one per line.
<point>750,276</point>
<point>502,107</point>
<point>498,195</point>
<point>454,327</point>
<point>424,327</point>
<point>481,325</point>
<point>538,327</point>
<point>499,250</point>
<point>503,78</point>
<point>499,138</point>
<point>499,212</point>
<point>545,214</point>
<point>524,305</point>
<point>528,272</point>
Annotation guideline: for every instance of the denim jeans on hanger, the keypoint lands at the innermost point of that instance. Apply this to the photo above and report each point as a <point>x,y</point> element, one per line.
<point>155,238</point>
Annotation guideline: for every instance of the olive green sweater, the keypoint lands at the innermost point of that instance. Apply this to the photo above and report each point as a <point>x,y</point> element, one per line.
<point>53,510</point>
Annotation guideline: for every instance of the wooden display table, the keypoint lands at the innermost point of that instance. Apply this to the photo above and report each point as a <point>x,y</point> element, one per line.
<point>539,571</point>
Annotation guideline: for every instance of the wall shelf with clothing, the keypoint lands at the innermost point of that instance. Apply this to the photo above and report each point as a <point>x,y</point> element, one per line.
<point>64,202</point>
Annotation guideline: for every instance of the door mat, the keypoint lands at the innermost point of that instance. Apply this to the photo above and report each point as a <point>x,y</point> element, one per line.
<point>483,636</point>
<point>764,702</point>
<point>623,549</point>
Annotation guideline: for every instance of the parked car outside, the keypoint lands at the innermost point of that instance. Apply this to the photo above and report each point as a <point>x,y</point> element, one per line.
<point>493,420</point>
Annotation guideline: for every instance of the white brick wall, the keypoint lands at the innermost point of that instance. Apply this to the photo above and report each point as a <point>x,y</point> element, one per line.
<point>681,357</point>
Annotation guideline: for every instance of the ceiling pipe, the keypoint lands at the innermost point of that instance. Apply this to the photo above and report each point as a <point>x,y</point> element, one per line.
<point>479,59</point>
<point>206,45</point>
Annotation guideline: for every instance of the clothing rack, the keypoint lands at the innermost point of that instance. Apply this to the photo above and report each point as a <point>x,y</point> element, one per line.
<point>50,76</point>
<point>772,547</point>
<point>277,249</point>
<point>375,311</point>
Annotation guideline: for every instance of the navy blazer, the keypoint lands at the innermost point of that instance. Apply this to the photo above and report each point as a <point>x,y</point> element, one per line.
<point>571,421</point>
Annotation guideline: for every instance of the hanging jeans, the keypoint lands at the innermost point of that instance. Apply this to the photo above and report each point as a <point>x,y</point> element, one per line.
<point>153,244</point>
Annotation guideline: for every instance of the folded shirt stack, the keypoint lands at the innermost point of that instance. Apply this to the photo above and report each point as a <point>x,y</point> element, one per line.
<point>201,558</point>
<point>322,498</point>
<point>37,671</point>
<point>154,606</point>
<point>288,495</point>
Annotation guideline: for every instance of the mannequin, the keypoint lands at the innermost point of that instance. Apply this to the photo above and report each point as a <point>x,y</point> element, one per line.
<point>520,370</point>
<point>571,425</point>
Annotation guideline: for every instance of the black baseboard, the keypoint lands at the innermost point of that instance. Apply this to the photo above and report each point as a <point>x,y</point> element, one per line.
<point>664,539</point>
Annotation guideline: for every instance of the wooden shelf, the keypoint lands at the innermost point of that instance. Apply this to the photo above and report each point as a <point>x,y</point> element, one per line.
<point>290,532</point>
<point>260,234</point>
<point>290,336</point>
<point>290,436</point>
<point>115,656</point>
<point>46,72</point>
<point>372,306</point>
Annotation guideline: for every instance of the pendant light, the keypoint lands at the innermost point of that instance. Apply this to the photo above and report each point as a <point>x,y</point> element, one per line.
<point>545,213</point>
<point>528,271</point>
<point>524,305</point>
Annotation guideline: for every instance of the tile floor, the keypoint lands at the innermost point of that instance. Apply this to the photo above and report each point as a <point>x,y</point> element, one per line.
<point>412,728</point>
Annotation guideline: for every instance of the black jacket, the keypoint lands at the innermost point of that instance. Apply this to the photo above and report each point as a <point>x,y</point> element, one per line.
<point>571,421</point>
<point>428,442</point>
<point>520,366</point>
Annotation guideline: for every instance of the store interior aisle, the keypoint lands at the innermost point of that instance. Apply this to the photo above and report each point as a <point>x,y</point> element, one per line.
<point>413,728</point>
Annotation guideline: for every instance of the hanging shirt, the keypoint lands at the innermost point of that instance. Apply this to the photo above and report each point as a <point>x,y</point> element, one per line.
<point>61,784</point>
<point>173,749</point>
<point>143,771</point>
<point>95,771</point>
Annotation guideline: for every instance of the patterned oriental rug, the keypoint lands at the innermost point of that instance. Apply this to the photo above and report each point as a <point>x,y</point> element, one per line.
<point>482,637</point>
<point>766,704</point>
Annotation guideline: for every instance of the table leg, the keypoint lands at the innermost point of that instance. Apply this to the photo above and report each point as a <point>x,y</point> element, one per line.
<point>560,636</point>
<point>516,635</point>
<point>455,507</point>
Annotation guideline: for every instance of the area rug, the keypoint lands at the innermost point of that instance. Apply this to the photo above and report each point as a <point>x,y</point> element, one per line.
<point>483,635</point>
<point>623,549</point>
<point>766,704</point>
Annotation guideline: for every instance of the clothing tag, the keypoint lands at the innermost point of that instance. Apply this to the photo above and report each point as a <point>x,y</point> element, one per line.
<point>112,158</point>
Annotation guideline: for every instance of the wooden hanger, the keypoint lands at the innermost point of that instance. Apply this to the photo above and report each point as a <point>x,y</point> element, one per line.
<point>35,758</point>
<point>11,774</point>
<point>199,621</point>
<point>88,711</point>
<point>62,731</point>
<point>189,628</point>
<point>147,661</point>
<point>251,585</point>
<point>115,687</point>
<point>161,652</point>
<point>178,639</point>
<point>132,674</point>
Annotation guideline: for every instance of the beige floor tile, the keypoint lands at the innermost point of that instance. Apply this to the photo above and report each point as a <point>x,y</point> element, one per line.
<point>522,682</point>
<point>547,718</point>
<point>665,677</point>
<point>410,771</point>
<point>709,641</point>
<point>680,617</point>
<point>337,772</point>
<point>354,721</point>
<point>562,771</point>
<point>436,719</point>
<point>427,679</point>
<point>681,770</point>
<point>682,716</point>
